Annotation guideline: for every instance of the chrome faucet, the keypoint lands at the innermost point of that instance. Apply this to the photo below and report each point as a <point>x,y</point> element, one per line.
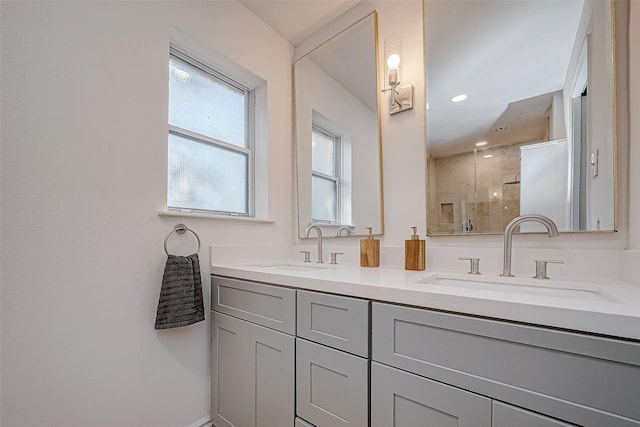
<point>508,236</point>
<point>343,228</point>
<point>319,232</point>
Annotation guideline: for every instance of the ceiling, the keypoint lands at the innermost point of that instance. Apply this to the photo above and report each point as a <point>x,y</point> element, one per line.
<point>350,59</point>
<point>507,56</point>
<point>295,20</point>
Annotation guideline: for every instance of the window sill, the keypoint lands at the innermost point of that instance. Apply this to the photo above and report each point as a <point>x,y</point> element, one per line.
<point>216,217</point>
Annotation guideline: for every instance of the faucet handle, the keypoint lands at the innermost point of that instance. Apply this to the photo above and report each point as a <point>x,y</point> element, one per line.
<point>334,256</point>
<point>541,267</point>
<point>307,255</point>
<point>474,265</point>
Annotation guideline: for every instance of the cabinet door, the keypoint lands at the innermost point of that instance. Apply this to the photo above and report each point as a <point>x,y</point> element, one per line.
<point>252,374</point>
<point>401,399</point>
<point>270,370</point>
<point>331,386</point>
<point>509,416</point>
<point>228,343</point>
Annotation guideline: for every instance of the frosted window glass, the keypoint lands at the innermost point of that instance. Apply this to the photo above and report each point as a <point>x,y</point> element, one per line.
<point>206,177</point>
<point>322,153</point>
<point>323,200</point>
<point>203,104</point>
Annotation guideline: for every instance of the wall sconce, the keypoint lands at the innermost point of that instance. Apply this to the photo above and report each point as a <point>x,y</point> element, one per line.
<point>401,97</point>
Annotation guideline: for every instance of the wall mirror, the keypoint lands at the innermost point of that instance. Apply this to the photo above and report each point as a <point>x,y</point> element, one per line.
<point>339,171</point>
<point>520,114</point>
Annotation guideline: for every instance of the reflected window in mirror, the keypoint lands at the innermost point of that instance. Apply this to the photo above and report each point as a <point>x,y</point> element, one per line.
<point>325,171</point>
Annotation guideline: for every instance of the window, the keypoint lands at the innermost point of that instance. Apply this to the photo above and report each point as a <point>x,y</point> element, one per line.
<point>211,140</point>
<point>325,175</point>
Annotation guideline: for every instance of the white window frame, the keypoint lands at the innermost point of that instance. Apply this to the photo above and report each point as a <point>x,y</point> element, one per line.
<point>258,192</point>
<point>337,169</point>
<point>247,150</point>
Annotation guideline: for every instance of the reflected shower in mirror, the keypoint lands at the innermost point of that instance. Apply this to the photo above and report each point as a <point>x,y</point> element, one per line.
<point>337,133</point>
<point>534,131</point>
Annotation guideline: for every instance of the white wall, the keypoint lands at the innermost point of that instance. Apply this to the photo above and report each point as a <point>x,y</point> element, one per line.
<point>599,196</point>
<point>403,134</point>
<point>557,127</point>
<point>84,152</point>
<point>592,47</point>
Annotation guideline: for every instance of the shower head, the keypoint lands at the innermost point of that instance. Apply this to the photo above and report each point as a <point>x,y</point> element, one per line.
<point>515,180</point>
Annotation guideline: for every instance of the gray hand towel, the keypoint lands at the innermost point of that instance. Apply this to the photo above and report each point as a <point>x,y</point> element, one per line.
<point>181,301</point>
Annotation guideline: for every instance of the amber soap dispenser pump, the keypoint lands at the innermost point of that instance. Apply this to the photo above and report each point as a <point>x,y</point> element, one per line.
<point>414,252</point>
<point>370,251</point>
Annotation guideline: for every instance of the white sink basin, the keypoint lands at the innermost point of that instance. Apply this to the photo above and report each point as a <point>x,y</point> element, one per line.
<point>295,267</point>
<point>550,288</point>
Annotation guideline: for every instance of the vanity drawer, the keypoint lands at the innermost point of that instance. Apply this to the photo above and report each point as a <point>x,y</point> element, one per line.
<point>266,305</point>
<point>331,386</point>
<point>399,398</point>
<point>554,372</point>
<point>336,321</point>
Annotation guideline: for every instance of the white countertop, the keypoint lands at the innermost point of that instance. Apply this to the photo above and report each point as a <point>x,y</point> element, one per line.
<point>597,306</point>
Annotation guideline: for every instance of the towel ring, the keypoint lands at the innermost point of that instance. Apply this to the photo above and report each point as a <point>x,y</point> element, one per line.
<point>180,229</point>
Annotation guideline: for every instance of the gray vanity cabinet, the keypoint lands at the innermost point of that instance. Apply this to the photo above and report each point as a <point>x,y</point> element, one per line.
<point>252,366</point>
<point>285,357</point>
<point>402,399</point>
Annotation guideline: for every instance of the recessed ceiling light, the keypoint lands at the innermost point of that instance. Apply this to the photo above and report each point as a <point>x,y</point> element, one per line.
<point>481,143</point>
<point>487,156</point>
<point>459,98</point>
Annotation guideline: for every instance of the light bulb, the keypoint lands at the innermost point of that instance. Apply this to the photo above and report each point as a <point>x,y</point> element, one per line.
<point>393,60</point>
<point>459,98</point>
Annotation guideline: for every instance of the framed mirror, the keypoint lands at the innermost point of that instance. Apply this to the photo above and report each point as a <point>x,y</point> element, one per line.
<point>337,127</point>
<point>520,114</point>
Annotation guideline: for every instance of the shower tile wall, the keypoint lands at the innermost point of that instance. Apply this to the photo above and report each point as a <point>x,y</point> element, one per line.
<point>469,186</point>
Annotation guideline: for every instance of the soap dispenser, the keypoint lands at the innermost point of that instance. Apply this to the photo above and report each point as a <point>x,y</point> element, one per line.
<point>414,252</point>
<point>370,251</point>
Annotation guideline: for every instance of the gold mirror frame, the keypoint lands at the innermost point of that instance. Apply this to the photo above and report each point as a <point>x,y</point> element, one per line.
<point>303,199</point>
<point>619,16</point>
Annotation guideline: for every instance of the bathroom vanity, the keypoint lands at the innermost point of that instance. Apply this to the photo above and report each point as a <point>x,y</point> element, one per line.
<point>317,346</point>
